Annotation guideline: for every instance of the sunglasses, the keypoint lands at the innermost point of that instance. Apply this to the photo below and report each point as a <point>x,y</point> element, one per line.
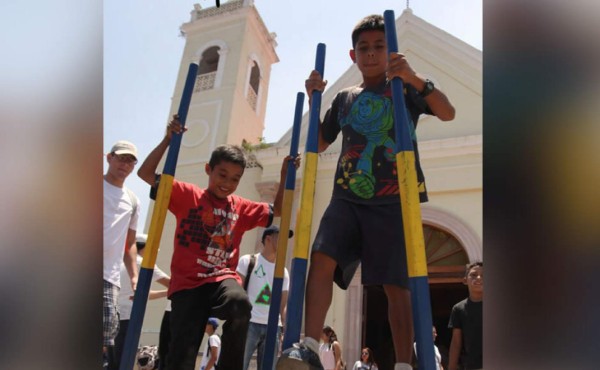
<point>125,158</point>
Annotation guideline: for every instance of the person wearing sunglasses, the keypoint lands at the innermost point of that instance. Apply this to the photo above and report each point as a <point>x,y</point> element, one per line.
<point>367,361</point>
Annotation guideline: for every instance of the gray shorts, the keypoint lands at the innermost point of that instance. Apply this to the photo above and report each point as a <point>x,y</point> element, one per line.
<point>373,236</point>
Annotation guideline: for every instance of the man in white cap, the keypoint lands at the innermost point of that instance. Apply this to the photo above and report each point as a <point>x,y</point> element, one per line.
<point>121,214</point>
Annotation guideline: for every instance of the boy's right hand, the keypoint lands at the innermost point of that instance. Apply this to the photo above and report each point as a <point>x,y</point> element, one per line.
<point>174,127</point>
<point>314,82</point>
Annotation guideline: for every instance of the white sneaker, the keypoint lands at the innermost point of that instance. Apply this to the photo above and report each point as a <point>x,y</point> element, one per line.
<point>402,366</point>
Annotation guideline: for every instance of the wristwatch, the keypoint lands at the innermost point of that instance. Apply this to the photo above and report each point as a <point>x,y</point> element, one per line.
<point>428,89</point>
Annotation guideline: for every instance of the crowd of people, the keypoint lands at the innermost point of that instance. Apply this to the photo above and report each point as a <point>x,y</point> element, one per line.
<point>209,281</point>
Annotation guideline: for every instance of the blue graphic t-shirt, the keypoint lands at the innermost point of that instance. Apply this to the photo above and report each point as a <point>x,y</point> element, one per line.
<point>366,171</point>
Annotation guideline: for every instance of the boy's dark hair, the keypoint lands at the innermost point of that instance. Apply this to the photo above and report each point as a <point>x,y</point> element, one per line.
<point>471,265</point>
<point>373,22</point>
<point>228,153</point>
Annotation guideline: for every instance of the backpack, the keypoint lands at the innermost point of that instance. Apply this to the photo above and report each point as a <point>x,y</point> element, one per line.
<point>134,203</point>
<point>249,272</point>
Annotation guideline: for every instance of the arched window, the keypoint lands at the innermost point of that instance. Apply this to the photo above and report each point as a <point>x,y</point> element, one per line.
<point>207,69</point>
<point>253,85</point>
<point>442,248</point>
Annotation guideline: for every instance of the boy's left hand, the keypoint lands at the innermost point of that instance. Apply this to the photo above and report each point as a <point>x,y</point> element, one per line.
<point>398,67</point>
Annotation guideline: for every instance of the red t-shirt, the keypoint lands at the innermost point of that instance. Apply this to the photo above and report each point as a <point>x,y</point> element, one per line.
<point>208,234</point>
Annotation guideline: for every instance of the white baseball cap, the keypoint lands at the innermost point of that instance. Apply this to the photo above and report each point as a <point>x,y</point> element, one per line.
<point>124,147</point>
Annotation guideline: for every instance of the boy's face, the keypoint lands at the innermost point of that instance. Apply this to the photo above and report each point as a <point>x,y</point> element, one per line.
<point>224,178</point>
<point>272,240</point>
<point>370,53</point>
<point>474,280</point>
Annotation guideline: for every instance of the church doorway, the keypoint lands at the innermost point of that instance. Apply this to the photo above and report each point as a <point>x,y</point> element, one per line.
<point>446,261</point>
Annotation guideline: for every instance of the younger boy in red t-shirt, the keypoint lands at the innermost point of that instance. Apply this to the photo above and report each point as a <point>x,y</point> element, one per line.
<point>210,226</point>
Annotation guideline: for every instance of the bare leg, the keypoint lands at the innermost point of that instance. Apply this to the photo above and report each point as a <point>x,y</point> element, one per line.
<point>319,290</point>
<point>401,324</point>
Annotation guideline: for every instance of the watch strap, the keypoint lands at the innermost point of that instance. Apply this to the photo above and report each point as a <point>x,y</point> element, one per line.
<point>428,89</point>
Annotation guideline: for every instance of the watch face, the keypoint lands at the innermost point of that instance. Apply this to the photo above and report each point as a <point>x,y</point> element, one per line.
<point>428,88</point>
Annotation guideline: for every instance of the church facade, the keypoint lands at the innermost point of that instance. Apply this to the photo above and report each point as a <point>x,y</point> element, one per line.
<point>235,51</point>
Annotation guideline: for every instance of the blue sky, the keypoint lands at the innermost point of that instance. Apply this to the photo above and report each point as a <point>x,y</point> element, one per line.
<point>143,48</point>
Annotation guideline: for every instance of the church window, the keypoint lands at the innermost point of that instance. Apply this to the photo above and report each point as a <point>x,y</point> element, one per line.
<point>253,85</point>
<point>207,69</point>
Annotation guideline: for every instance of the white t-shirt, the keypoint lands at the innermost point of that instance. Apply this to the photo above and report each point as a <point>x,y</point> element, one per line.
<point>327,356</point>
<point>438,356</point>
<point>125,304</point>
<point>260,286</point>
<point>118,219</point>
<point>213,341</point>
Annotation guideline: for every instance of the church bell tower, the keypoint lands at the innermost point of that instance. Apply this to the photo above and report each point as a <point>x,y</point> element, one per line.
<point>234,51</point>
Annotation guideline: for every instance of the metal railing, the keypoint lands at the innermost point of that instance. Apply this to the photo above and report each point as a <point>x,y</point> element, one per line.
<point>205,81</point>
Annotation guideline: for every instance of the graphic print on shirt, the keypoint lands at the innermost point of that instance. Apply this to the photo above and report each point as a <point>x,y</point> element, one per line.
<point>264,297</point>
<point>210,230</point>
<point>370,116</point>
